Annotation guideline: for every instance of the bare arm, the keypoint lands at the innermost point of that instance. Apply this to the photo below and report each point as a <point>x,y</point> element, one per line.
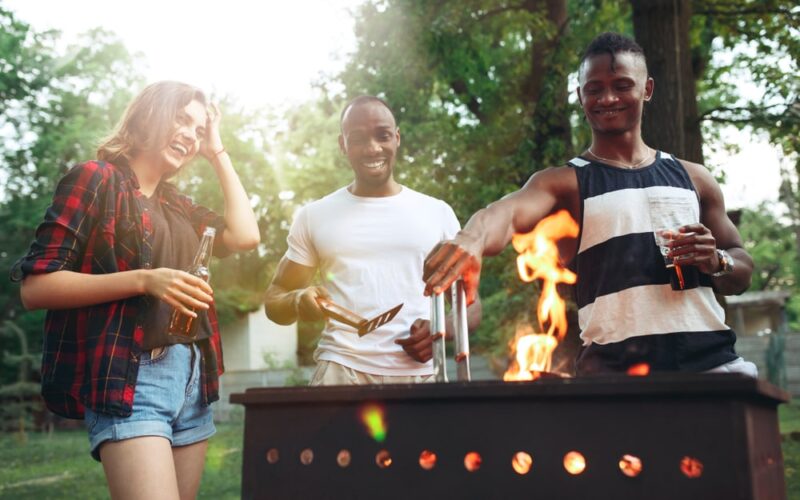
<point>69,289</point>
<point>290,296</point>
<point>490,230</point>
<point>241,229</point>
<point>419,343</point>
<point>714,231</point>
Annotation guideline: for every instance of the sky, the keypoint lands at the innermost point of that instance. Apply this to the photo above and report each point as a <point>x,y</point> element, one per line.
<point>269,53</point>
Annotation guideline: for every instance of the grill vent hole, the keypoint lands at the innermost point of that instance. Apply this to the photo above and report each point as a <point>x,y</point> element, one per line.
<point>574,463</point>
<point>472,461</point>
<point>630,465</point>
<point>427,459</point>
<point>691,467</point>
<point>343,458</point>
<point>307,456</point>
<point>521,462</point>
<point>383,459</point>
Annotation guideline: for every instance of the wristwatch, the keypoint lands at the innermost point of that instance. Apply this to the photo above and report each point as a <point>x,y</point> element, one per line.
<point>725,263</point>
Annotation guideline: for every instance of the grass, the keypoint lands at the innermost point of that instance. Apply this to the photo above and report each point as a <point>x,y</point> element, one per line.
<point>790,430</point>
<point>59,466</point>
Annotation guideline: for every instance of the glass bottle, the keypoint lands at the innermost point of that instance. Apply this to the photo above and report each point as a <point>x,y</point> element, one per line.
<point>181,325</point>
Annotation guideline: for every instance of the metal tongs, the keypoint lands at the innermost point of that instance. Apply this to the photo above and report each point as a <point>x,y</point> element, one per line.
<point>363,325</point>
<point>461,340</point>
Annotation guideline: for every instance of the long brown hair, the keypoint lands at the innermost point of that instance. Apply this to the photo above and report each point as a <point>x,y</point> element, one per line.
<point>147,122</point>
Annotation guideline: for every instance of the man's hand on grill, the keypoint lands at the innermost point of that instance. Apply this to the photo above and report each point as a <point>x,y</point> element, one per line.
<point>419,344</point>
<point>451,259</point>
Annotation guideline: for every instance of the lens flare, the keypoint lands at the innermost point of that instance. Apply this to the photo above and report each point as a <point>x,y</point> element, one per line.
<point>374,419</point>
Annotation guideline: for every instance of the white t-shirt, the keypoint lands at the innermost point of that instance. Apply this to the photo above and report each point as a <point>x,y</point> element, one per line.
<point>370,254</point>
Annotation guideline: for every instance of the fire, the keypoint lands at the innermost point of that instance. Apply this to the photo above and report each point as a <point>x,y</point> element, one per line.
<point>473,461</point>
<point>374,419</point>
<point>427,459</point>
<point>639,370</point>
<point>574,463</point>
<point>521,462</point>
<point>539,259</point>
<point>534,351</point>
<point>630,465</point>
<point>691,467</point>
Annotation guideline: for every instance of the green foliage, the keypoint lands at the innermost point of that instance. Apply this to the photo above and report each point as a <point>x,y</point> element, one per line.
<point>776,360</point>
<point>746,59</point>
<point>772,242</point>
<point>240,279</point>
<point>295,377</point>
<point>234,302</point>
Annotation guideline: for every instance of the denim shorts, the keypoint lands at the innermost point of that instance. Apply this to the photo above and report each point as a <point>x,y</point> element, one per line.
<point>168,402</point>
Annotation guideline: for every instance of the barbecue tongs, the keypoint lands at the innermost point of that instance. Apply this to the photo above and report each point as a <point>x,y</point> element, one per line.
<point>348,317</point>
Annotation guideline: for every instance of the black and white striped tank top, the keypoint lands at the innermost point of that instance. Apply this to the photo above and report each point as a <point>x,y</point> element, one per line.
<point>627,310</point>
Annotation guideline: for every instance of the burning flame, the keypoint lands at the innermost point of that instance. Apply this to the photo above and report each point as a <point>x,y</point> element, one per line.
<point>639,370</point>
<point>630,465</point>
<point>574,463</point>
<point>521,462</point>
<point>427,459</point>
<point>473,461</point>
<point>691,467</point>
<point>374,419</point>
<point>539,259</point>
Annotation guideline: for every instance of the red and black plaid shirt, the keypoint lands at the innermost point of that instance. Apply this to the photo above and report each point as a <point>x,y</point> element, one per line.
<point>96,225</point>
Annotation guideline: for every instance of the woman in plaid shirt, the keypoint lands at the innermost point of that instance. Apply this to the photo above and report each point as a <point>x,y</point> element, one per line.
<point>105,264</point>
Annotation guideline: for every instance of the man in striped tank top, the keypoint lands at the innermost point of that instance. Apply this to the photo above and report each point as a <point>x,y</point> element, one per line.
<point>632,309</point>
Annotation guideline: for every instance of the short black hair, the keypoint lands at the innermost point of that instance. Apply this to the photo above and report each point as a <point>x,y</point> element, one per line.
<point>363,99</point>
<point>612,43</point>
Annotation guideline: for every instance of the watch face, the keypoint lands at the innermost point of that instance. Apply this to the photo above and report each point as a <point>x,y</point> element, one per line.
<point>725,262</point>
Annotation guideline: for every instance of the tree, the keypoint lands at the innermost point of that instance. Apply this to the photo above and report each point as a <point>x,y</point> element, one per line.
<point>671,124</point>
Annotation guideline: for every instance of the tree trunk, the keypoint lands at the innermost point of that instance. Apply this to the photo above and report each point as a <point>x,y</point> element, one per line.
<point>670,121</point>
<point>548,83</point>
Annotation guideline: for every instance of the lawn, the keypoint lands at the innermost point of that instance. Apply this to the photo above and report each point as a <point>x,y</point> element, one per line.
<point>60,467</point>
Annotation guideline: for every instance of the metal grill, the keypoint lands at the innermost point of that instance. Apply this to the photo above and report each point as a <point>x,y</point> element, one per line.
<point>675,436</point>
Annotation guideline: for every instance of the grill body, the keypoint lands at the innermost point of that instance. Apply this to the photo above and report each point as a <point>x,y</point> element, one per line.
<point>727,422</point>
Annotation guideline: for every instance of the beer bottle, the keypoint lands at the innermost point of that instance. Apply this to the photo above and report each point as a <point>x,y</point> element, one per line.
<point>181,325</point>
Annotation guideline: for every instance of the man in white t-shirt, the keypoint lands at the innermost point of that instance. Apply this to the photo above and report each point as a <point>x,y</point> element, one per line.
<point>368,241</point>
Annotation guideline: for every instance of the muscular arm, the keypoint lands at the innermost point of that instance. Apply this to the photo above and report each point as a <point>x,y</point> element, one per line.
<point>715,231</point>
<point>290,296</point>
<point>490,229</point>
